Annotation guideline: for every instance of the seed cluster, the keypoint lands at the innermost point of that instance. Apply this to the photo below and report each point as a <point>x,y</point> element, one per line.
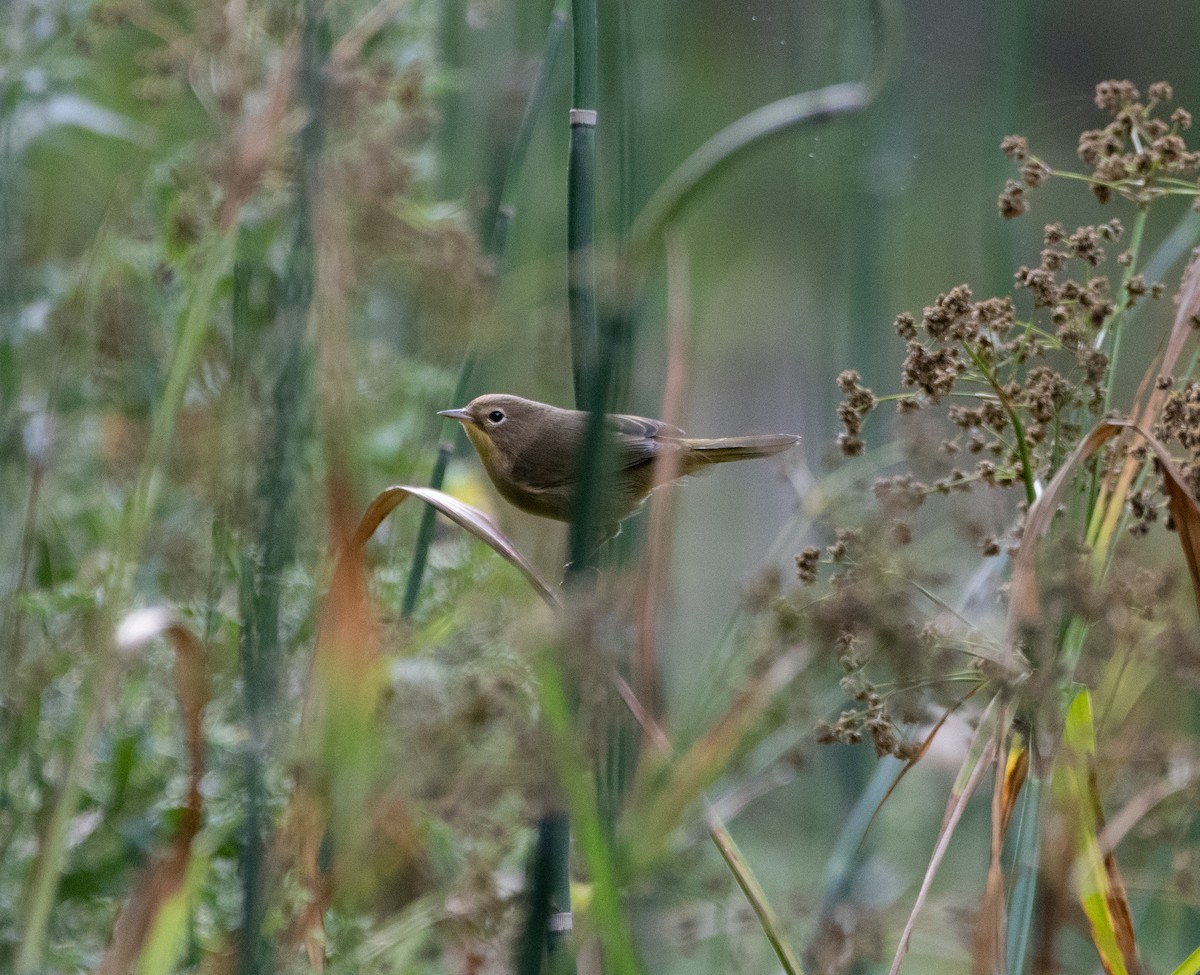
<point>1019,378</point>
<point>1133,155</point>
<point>1180,422</point>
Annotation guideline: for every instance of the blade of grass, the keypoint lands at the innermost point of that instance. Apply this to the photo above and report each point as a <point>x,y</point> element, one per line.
<point>1026,852</point>
<point>1101,890</point>
<point>993,724</point>
<point>717,830</point>
<point>471,519</point>
<point>1024,602</point>
<point>912,762</point>
<point>1189,966</point>
<point>753,892</point>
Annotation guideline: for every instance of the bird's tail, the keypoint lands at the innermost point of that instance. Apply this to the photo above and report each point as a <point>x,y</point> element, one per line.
<point>722,450</point>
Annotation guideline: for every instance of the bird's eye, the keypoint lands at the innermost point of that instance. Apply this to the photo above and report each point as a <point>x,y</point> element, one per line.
<point>496,416</point>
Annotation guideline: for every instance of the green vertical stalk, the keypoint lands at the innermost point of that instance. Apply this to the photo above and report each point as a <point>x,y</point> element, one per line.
<point>262,581</point>
<point>1026,849</point>
<point>452,44</point>
<point>496,237</point>
<point>446,450</point>
<point>10,259</point>
<point>581,207</point>
<point>548,897</point>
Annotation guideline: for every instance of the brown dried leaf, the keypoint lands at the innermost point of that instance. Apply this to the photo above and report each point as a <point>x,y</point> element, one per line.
<point>463,515</point>
<point>993,725</point>
<point>1024,604</point>
<point>991,921</point>
<point>166,874</point>
<point>1184,511</point>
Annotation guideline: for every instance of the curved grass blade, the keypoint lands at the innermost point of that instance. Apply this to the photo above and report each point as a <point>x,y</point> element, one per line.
<point>729,145</point>
<point>1107,511</point>
<point>719,832</point>
<point>151,923</point>
<point>1184,512</point>
<point>911,763</point>
<point>752,891</point>
<point>1024,603</point>
<point>471,519</point>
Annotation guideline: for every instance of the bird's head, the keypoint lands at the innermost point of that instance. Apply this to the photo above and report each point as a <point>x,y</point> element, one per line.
<point>500,426</point>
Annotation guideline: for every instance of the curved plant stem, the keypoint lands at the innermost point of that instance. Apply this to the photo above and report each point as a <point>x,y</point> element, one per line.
<point>1014,418</point>
<point>728,146</point>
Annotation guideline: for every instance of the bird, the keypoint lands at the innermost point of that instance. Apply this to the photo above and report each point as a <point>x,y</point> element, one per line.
<point>531,452</point>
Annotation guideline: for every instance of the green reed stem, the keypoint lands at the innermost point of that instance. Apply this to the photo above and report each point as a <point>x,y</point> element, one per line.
<point>496,238</point>
<point>1113,324</point>
<point>261,583</point>
<point>548,867</point>
<point>581,206</point>
<point>580,788</point>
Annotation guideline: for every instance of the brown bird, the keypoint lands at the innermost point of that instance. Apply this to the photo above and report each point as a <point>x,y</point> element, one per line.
<point>531,452</point>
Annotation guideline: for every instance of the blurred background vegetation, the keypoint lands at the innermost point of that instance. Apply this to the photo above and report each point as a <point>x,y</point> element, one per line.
<point>244,248</point>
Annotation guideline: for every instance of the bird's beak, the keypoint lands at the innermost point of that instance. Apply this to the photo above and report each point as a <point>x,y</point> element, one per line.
<point>462,416</point>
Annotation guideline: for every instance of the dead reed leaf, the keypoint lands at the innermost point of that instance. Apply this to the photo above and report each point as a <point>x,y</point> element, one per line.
<point>144,915</point>
<point>991,920</point>
<point>666,467</point>
<point>717,830</point>
<point>1024,607</point>
<point>1024,603</point>
<point>1151,396</point>
<point>993,725</point>
<point>471,519</point>
<point>1184,511</point>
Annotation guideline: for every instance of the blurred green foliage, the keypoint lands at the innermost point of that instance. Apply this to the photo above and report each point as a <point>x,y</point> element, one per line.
<point>167,177</point>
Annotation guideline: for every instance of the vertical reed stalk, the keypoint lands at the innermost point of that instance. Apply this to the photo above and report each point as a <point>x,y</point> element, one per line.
<point>262,579</point>
<point>496,238</point>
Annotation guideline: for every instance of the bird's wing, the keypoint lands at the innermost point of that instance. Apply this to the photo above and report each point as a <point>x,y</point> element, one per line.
<point>641,439</point>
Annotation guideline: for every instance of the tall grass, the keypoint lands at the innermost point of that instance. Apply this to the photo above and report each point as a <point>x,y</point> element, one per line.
<point>235,736</point>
